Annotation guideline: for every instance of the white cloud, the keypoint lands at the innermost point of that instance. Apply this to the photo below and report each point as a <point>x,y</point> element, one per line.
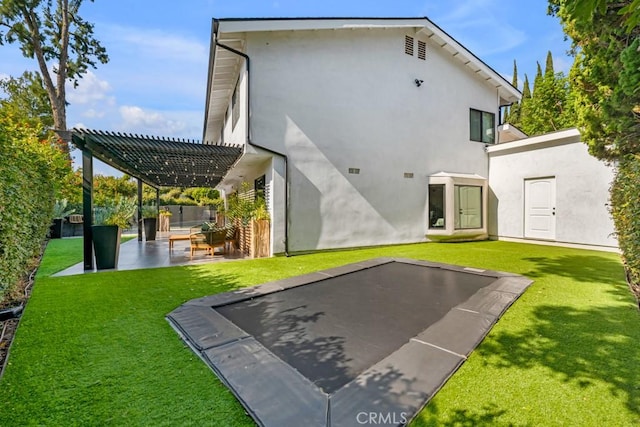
<point>90,90</point>
<point>156,43</point>
<point>93,114</point>
<point>137,120</point>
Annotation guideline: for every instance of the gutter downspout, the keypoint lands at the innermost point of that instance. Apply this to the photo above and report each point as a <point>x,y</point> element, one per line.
<point>284,156</point>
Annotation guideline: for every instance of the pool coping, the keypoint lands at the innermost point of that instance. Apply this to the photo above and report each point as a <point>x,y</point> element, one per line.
<point>395,388</point>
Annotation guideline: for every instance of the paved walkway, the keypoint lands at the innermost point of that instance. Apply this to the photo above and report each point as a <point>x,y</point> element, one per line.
<point>135,255</point>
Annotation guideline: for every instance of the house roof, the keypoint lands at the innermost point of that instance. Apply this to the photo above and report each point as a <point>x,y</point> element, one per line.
<point>160,161</point>
<point>551,139</point>
<point>224,66</point>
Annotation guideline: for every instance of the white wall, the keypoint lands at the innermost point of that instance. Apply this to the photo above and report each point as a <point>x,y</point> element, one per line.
<point>339,99</point>
<point>582,188</point>
<point>237,134</point>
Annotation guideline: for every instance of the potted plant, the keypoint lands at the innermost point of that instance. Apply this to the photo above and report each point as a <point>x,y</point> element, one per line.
<point>165,218</point>
<point>150,218</point>
<point>260,229</point>
<point>109,220</point>
<point>251,215</point>
<point>60,211</point>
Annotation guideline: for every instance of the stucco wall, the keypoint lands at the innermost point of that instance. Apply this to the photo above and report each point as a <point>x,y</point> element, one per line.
<point>334,100</point>
<point>582,191</point>
<point>237,134</point>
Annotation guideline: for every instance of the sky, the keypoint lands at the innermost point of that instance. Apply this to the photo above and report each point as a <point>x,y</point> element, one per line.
<point>155,80</point>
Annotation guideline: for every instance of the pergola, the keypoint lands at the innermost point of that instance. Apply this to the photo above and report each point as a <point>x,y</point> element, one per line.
<point>158,162</point>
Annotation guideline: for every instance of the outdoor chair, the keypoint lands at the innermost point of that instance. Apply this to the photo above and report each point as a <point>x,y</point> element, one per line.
<point>232,238</point>
<point>198,241</point>
<point>216,238</point>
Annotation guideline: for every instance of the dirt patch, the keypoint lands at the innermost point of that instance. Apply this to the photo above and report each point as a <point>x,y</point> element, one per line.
<point>633,286</point>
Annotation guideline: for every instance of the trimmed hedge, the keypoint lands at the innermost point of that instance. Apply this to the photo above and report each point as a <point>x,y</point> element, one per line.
<point>30,175</point>
<point>625,209</point>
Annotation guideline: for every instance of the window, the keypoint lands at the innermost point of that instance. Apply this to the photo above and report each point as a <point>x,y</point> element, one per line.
<point>235,108</point>
<point>482,126</point>
<point>436,206</point>
<point>259,185</point>
<point>467,206</point>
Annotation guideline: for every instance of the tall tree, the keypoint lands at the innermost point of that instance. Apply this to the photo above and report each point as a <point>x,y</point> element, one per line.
<point>513,115</point>
<point>526,89</point>
<point>548,68</point>
<point>603,72</point>
<point>538,78</point>
<point>27,98</point>
<point>549,108</point>
<point>52,32</point>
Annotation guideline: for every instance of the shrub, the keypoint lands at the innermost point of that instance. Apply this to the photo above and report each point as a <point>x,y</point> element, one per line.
<point>625,209</point>
<point>118,212</point>
<point>31,174</point>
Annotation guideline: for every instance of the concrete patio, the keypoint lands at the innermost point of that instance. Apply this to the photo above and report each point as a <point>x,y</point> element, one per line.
<point>135,255</point>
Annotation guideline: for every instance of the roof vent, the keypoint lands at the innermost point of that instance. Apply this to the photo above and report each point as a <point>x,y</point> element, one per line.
<point>408,45</point>
<point>422,50</point>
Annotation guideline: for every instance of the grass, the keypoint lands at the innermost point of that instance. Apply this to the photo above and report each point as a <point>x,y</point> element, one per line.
<point>63,253</point>
<point>96,350</point>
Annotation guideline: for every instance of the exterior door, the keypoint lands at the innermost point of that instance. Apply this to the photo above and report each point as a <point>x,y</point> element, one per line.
<point>540,208</point>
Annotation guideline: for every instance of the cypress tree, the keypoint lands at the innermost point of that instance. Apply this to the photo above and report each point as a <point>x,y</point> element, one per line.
<point>513,113</point>
<point>538,79</point>
<point>526,91</point>
<point>548,69</point>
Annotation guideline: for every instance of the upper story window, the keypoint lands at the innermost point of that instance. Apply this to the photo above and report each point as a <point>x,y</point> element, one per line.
<point>482,126</point>
<point>235,108</point>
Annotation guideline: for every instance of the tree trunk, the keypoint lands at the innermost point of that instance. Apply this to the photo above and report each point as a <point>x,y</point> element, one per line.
<point>57,93</point>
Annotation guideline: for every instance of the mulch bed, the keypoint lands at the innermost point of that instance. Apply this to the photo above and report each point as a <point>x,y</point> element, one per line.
<point>17,297</point>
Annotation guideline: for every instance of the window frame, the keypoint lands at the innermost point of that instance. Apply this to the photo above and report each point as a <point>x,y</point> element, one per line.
<point>433,206</point>
<point>483,130</point>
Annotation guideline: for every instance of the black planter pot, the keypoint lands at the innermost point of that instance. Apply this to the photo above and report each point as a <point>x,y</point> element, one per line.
<point>56,228</point>
<point>106,245</point>
<point>150,226</point>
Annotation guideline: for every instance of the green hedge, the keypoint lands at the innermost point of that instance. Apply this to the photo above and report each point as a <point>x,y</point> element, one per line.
<point>30,174</point>
<point>625,208</point>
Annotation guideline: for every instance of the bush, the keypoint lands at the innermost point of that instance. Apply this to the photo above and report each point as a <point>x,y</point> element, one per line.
<point>625,209</point>
<point>31,175</point>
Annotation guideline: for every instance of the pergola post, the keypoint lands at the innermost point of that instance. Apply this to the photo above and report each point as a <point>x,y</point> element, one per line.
<point>139,210</point>
<point>158,208</point>
<point>87,208</point>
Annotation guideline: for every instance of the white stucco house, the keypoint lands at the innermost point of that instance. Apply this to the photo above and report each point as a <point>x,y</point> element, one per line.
<point>372,131</point>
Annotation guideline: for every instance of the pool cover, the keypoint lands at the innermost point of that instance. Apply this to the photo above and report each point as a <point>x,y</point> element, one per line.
<point>369,342</point>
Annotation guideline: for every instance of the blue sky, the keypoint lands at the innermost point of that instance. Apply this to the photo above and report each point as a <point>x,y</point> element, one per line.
<point>155,80</point>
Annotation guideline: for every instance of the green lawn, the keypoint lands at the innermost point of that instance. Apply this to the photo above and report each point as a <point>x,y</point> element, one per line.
<point>96,350</point>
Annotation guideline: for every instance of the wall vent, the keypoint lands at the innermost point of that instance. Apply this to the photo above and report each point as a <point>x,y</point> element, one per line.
<point>422,50</point>
<point>408,174</point>
<point>354,171</point>
<point>408,45</point>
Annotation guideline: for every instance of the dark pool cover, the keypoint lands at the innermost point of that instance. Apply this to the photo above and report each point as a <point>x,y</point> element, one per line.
<point>365,343</point>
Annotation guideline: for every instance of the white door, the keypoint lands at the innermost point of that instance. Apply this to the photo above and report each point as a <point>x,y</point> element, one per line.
<point>540,208</point>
